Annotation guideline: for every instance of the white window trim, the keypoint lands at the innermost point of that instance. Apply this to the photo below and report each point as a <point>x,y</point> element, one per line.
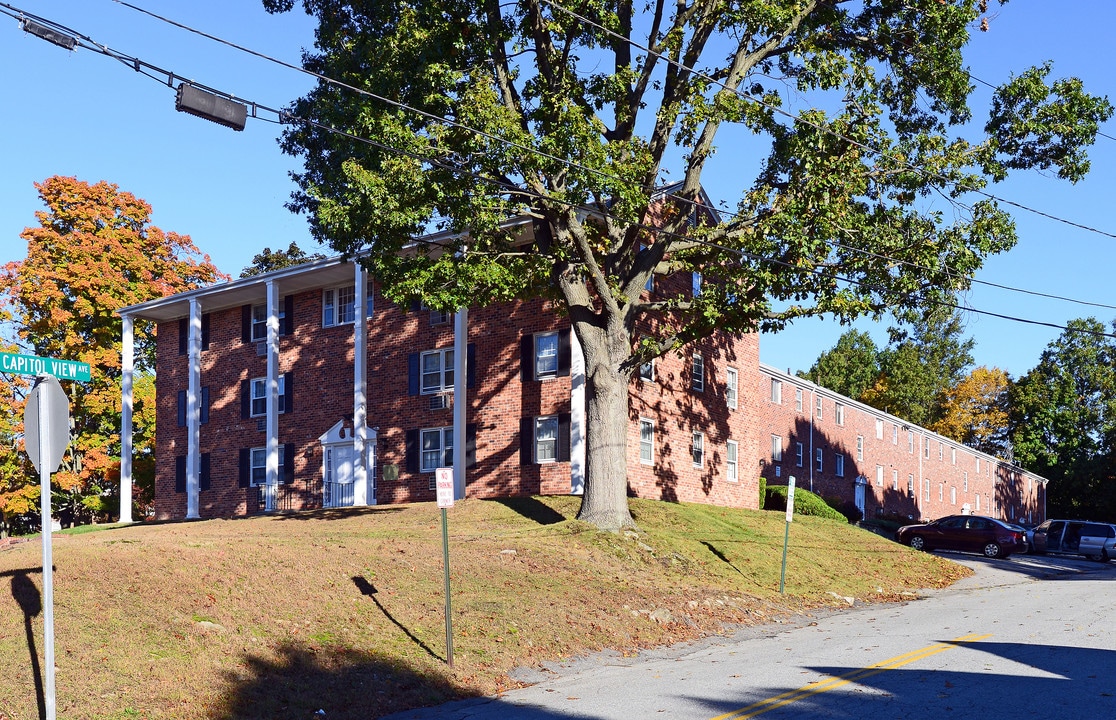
<point>547,373</point>
<point>798,399</point>
<point>443,448</point>
<point>859,448</point>
<point>732,386</point>
<point>445,372</point>
<point>697,373</point>
<point>798,448</point>
<point>260,323</point>
<point>839,413</point>
<point>261,382</point>
<point>648,376</point>
<point>697,449</point>
<point>839,464</point>
<point>776,448</point>
<point>253,467</point>
<point>650,443</point>
<point>819,407</point>
<point>539,424</point>
<point>819,459</point>
<point>776,391</point>
<point>732,455</point>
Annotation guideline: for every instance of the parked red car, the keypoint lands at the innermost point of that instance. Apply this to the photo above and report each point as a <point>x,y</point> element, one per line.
<point>969,533</point>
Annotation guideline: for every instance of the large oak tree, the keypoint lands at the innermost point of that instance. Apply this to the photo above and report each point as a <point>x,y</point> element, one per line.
<point>94,251</point>
<point>865,194</point>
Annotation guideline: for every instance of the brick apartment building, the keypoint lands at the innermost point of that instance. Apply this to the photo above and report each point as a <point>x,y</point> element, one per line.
<point>273,394</point>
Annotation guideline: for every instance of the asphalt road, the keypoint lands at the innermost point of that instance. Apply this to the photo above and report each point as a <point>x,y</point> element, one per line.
<point>1024,637</point>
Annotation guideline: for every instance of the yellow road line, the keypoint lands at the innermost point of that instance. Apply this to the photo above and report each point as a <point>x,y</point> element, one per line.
<point>820,686</point>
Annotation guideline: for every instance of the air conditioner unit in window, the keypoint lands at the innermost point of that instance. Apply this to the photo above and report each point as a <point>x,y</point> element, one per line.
<point>439,402</point>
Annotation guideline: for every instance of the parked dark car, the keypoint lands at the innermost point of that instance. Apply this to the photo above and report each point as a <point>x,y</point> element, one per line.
<point>969,533</point>
<point>1096,541</point>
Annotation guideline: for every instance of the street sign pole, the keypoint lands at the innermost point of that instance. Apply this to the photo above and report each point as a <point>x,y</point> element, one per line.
<point>443,483</point>
<point>786,532</point>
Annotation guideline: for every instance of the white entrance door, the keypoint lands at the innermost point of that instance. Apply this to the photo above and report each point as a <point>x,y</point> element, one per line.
<point>339,480</point>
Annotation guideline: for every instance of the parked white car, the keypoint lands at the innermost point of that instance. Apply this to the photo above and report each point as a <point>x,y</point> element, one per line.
<point>1096,541</point>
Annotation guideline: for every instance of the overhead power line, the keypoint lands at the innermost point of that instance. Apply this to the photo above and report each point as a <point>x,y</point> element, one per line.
<point>284,116</point>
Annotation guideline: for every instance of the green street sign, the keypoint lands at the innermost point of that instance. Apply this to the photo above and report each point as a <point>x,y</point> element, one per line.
<point>33,365</point>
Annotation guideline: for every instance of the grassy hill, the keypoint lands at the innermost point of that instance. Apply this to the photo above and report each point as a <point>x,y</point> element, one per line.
<point>279,616</point>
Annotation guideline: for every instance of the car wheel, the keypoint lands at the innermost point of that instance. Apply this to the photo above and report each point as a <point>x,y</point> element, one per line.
<point>993,550</point>
<point>1104,556</point>
<point>918,543</point>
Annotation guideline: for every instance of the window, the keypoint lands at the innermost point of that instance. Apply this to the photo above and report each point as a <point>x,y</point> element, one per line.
<point>437,448</point>
<point>647,371</point>
<point>777,391</point>
<point>978,503</point>
<point>910,441</point>
<point>440,317</point>
<point>926,489</point>
<point>730,461</point>
<point>859,447</point>
<point>839,468</point>
<point>259,320</point>
<point>978,466</point>
<point>952,495</point>
<point>839,413</point>
<point>894,434</point>
<point>437,371</point>
<point>910,486</point>
<point>798,399</point>
<point>546,439</point>
<point>879,429</point>
<point>953,455</point>
<point>819,408</point>
<point>546,355</point>
<point>926,448</point>
<point>697,373</point>
<point>259,396</point>
<point>941,492</point>
<point>965,482</point>
<point>731,384</point>
<point>646,442</point>
<point>776,448</point>
<point>696,284</point>
<point>879,476</point>
<point>895,480</point>
<point>798,454</point>
<point>819,460</point>
<point>699,449</point>
<point>339,305</point>
<point>259,465</point>
<point>941,450</point>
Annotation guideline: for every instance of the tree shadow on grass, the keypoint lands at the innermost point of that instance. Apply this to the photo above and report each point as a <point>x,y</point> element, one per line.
<point>533,509</point>
<point>299,680</point>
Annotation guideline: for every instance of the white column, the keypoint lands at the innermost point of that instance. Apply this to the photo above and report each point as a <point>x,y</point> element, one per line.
<point>272,400</point>
<point>460,400</point>
<point>360,388</point>
<point>577,416</point>
<point>127,367</point>
<point>193,419</point>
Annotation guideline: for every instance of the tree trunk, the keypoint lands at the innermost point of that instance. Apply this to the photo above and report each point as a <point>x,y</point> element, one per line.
<point>605,502</point>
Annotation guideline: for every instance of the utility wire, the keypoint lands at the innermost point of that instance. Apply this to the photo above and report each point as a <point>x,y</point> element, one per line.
<point>285,116</point>
<point>613,178</point>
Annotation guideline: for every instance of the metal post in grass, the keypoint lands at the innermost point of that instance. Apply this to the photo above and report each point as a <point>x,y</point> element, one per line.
<point>443,479</point>
<point>786,532</point>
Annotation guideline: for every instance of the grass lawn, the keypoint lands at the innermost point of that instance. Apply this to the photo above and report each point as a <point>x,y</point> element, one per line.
<point>280,616</point>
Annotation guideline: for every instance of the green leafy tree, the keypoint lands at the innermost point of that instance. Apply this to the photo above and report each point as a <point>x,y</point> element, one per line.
<point>1064,421</point>
<point>572,117</point>
<point>268,260</point>
<point>850,367</point>
<point>920,365</point>
<point>94,252</point>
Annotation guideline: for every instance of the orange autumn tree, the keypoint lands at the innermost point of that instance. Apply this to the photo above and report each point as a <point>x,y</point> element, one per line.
<point>95,251</point>
<point>975,411</point>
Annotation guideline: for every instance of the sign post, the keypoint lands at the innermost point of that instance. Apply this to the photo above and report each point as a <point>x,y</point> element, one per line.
<point>46,428</point>
<point>443,483</point>
<point>786,532</point>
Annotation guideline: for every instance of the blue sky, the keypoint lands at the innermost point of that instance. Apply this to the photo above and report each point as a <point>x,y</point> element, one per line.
<point>83,114</point>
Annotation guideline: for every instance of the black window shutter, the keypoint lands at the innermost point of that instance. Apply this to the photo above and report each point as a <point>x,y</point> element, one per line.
<point>288,463</point>
<point>245,399</point>
<point>205,332</point>
<point>413,374</point>
<point>204,405</point>
<point>564,352</point>
<point>245,475</point>
<point>203,474</point>
<point>246,324</point>
<point>470,444</point>
<point>287,326</point>
<point>288,391</point>
<point>183,335</point>
<point>527,441</point>
<point>470,364</point>
<point>181,408</point>
<point>563,437</point>
<point>180,474</point>
<point>527,358</point>
<point>412,451</point>
<point>416,305</point>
